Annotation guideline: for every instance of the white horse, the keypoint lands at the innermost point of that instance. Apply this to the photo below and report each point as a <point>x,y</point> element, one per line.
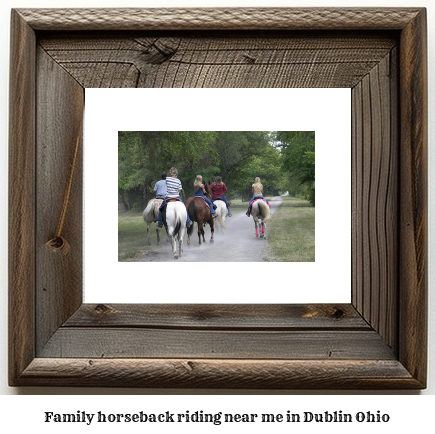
<point>221,213</point>
<point>150,215</point>
<point>260,212</point>
<point>176,215</point>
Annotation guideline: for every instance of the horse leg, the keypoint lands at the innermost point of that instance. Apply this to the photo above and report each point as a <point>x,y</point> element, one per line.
<point>149,233</point>
<point>256,228</point>
<point>212,230</point>
<point>200,231</point>
<point>203,235</point>
<point>158,235</point>
<point>174,247</point>
<point>261,230</point>
<point>180,242</point>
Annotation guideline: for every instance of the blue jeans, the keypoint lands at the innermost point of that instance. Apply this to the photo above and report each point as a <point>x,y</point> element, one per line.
<point>160,223</point>
<point>225,200</point>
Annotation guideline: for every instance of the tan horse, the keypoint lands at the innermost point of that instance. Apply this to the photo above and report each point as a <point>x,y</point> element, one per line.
<point>150,215</point>
<point>260,212</point>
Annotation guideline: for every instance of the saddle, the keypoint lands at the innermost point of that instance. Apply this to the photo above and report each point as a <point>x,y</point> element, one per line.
<point>162,207</point>
<point>205,202</point>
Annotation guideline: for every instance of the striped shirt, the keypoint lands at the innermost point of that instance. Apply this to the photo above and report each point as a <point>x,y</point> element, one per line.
<point>173,186</point>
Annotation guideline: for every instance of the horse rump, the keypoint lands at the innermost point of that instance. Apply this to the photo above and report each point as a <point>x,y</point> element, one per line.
<point>263,210</point>
<point>148,214</point>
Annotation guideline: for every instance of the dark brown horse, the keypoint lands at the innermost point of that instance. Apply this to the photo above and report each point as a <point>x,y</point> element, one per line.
<point>199,212</point>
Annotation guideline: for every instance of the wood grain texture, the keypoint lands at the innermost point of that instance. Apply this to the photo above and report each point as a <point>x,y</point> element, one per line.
<point>236,60</point>
<point>413,187</point>
<point>220,18</point>
<point>234,343</point>
<point>228,374</point>
<point>378,342</point>
<point>252,317</point>
<point>59,279</point>
<point>375,198</point>
<point>21,191</point>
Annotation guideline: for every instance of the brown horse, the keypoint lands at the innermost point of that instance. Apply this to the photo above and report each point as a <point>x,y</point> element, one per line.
<point>199,212</point>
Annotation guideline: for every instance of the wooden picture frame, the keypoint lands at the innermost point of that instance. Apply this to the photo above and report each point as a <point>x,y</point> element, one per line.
<point>378,341</point>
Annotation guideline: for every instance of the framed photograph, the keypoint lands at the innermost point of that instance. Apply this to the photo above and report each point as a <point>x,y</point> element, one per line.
<point>376,341</point>
<point>306,244</point>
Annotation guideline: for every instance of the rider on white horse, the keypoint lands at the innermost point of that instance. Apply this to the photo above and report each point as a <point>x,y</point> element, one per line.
<point>173,190</point>
<point>218,189</point>
<point>257,191</point>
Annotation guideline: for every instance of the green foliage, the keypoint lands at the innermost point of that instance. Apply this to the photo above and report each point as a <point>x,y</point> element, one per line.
<point>298,151</point>
<point>237,156</point>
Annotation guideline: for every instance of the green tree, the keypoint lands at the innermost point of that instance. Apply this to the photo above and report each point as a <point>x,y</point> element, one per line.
<point>237,156</point>
<point>298,150</point>
<point>144,155</point>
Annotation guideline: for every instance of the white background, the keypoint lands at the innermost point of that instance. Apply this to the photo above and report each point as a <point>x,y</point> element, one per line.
<point>325,111</point>
<point>410,413</point>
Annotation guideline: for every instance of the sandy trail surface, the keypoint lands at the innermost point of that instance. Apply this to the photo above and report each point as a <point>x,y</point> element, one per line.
<point>236,243</point>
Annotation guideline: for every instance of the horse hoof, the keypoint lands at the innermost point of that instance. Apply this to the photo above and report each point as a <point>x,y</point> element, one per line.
<point>211,241</point>
<point>175,256</point>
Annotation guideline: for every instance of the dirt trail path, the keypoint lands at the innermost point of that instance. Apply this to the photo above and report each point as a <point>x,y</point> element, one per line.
<point>237,244</point>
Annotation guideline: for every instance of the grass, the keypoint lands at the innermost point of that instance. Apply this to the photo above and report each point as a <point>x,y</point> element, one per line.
<point>132,235</point>
<point>237,203</point>
<point>291,232</point>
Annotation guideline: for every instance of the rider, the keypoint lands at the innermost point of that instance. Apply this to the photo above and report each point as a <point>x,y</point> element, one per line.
<point>173,189</point>
<point>257,191</point>
<point>160,187</point>
<point>200,192</point>
<point>218,189</point>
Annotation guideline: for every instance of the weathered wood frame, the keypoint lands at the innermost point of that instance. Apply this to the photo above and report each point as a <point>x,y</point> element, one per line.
<point>377,341</point>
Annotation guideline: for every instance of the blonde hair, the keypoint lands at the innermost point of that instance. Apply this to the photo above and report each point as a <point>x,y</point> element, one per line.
<point>173,171</point>
<point>258,186</point>
<point>198,182</point>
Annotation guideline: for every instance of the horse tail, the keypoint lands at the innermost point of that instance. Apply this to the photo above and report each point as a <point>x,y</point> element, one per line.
<point>265,210</point>
<point>219,217</point>
<point>177,223</point>
<point>191,209</point>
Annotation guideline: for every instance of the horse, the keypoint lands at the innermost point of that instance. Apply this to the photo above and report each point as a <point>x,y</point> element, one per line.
<point>221,213</point>
<point>150,215</point>
<point>199,212</point>
<point>260,212</point>
<point>174,217</point>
